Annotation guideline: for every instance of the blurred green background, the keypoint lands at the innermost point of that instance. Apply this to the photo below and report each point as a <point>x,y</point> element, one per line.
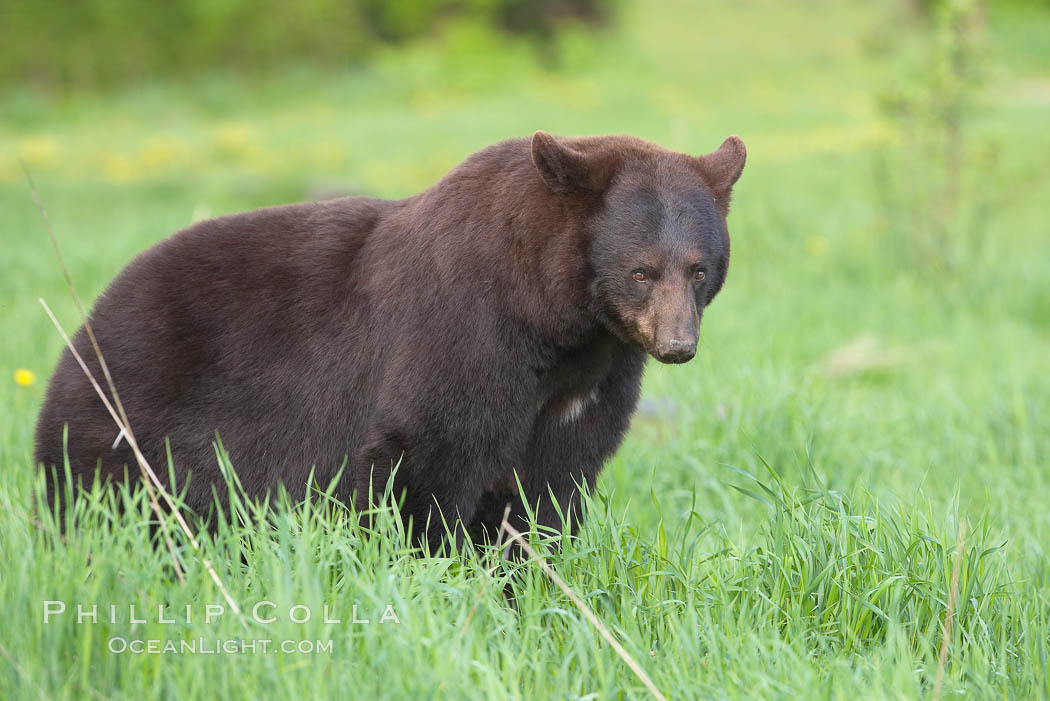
<point>889,231</point>
<point>886,321</point>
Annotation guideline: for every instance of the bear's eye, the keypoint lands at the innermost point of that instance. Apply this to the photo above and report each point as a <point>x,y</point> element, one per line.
<point>639,275</point>
<point>700,275</point>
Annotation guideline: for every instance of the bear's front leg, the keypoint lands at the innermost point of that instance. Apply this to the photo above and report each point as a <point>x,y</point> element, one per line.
<point>434,488</point>
<point>448,433</point>
<point>571,440</point>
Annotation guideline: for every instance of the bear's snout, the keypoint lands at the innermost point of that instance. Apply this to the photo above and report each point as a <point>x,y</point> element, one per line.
<point>674,327</point>
<point>675,350</point>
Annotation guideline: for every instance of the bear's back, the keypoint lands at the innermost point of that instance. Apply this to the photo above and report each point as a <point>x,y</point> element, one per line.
<point>233,326</point>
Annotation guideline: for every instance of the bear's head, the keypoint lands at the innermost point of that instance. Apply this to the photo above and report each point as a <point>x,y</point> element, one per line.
<point>656,227</point>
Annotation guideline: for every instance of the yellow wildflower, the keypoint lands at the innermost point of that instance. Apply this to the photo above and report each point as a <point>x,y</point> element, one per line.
<point>817,245</point>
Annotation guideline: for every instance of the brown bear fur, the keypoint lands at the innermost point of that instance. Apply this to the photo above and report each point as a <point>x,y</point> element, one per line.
<point>492,327</point>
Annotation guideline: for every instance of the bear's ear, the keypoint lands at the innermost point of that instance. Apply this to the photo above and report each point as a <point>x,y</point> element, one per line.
<point>566,170</point>
<point>721,169</point>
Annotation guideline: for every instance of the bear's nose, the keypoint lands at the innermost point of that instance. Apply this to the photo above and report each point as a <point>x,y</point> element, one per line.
<point>676,351</point>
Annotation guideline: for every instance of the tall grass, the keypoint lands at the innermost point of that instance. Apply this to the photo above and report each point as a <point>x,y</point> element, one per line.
<point>868,407</point>
<point>833,577</point>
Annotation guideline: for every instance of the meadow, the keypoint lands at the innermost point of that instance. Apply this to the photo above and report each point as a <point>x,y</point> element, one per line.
<point>784,517</point>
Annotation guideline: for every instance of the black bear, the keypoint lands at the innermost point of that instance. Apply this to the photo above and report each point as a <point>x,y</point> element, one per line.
<point>490,329</point>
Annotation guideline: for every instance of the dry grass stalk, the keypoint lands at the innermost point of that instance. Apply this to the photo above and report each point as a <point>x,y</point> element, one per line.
<point>584,609</point>
<point>949,614</point>
<point>116,411</point>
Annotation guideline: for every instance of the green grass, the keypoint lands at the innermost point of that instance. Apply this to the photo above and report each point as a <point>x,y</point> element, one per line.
<point>782,519</point>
